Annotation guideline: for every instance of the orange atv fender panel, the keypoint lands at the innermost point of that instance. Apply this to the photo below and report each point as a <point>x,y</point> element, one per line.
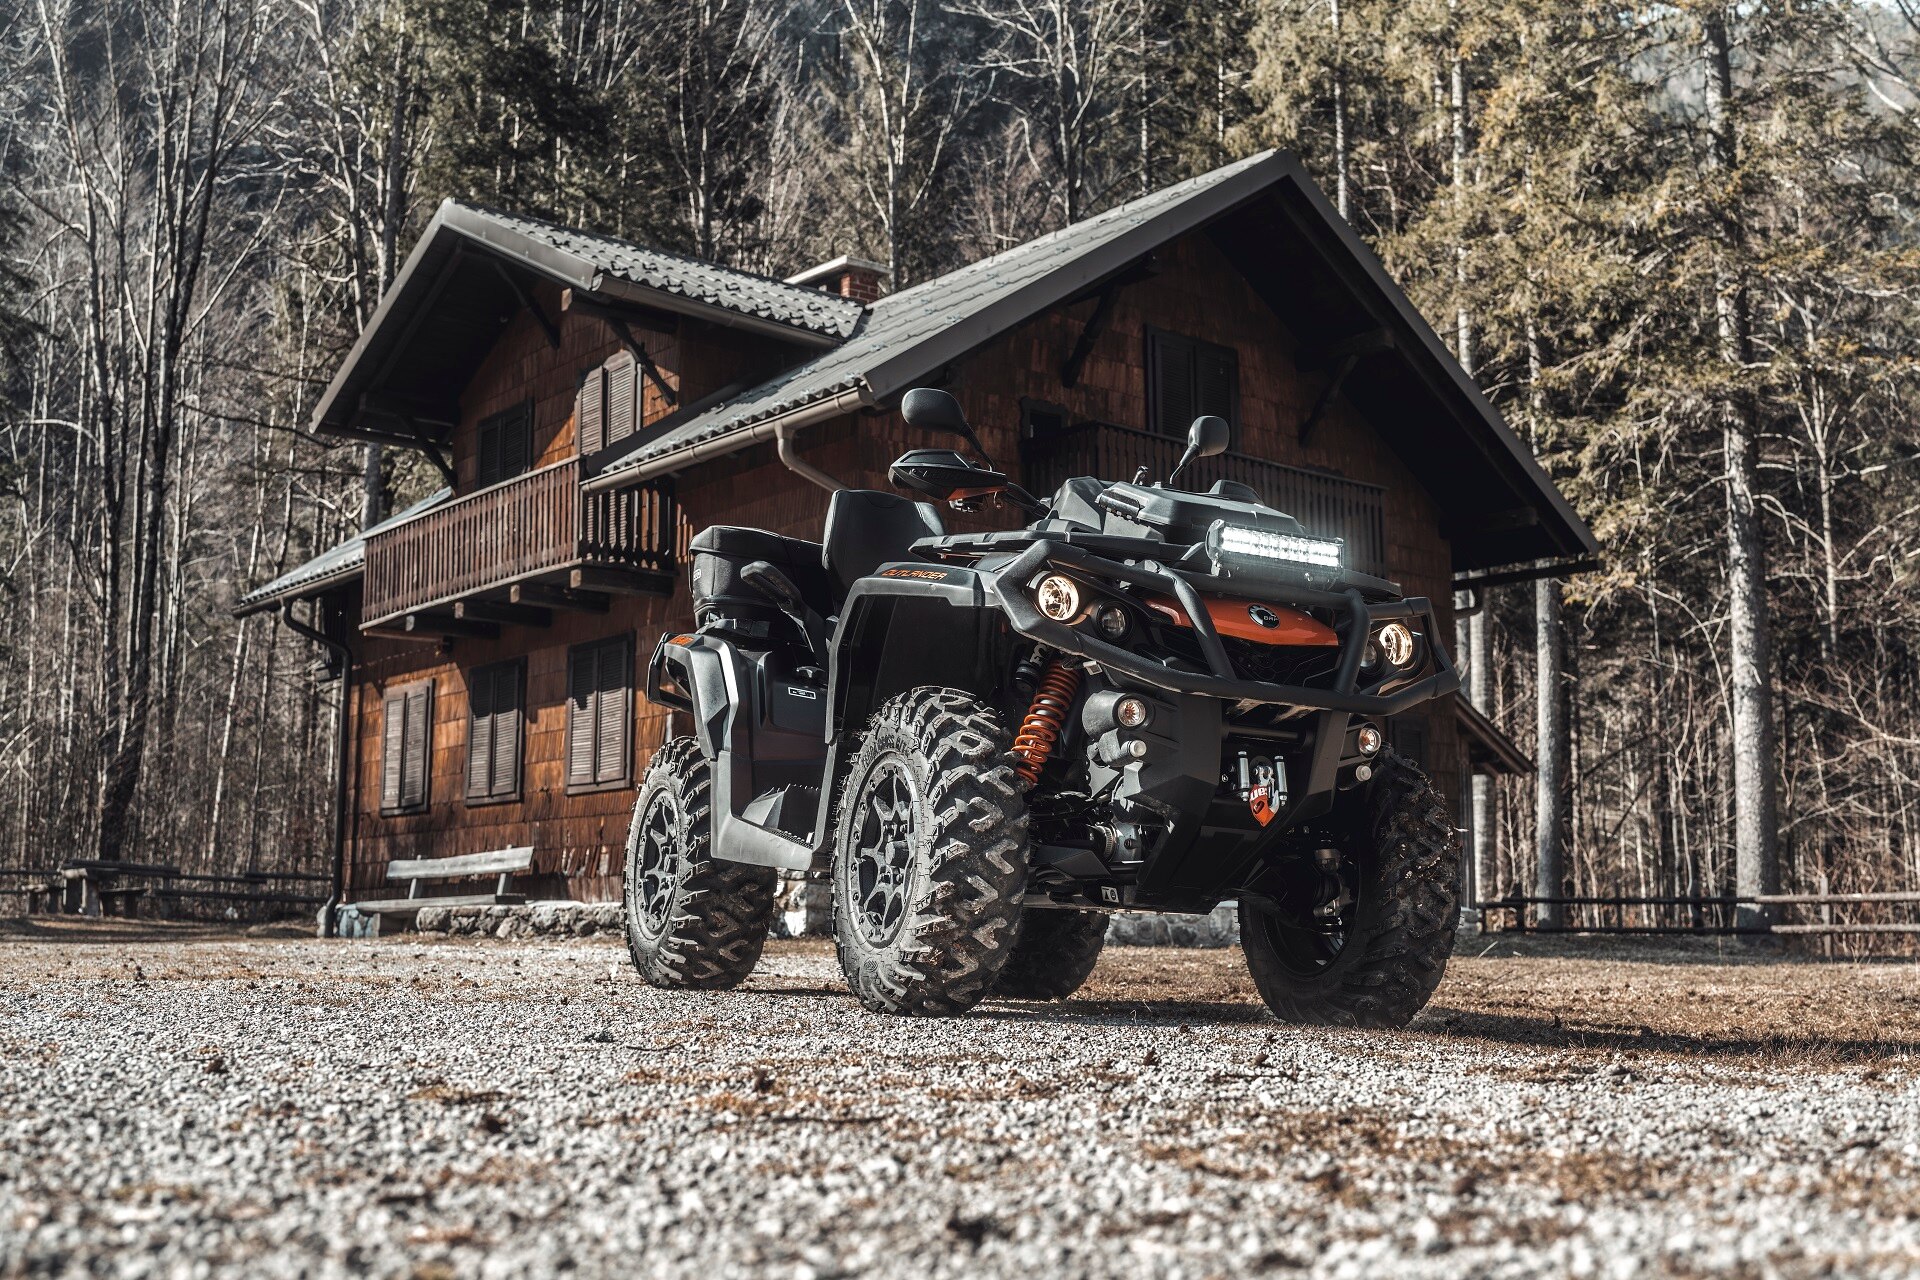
<point>1249,620</point>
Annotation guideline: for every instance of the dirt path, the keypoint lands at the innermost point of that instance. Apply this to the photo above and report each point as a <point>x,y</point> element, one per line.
<point>282,1106</point>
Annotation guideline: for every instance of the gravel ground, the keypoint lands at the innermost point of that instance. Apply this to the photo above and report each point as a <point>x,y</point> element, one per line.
<point>176,1102</point>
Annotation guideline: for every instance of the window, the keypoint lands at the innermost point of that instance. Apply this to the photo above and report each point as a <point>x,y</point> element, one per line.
<point>406,749</point>
<point>1186,378</point>
<point>1040,420</point>
<point>607,408</point>
<point>506,446</point>
<point>493,732</point>
<point>599,714</point>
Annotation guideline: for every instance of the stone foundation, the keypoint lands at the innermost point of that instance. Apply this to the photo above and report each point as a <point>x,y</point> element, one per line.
<point>804,909</point>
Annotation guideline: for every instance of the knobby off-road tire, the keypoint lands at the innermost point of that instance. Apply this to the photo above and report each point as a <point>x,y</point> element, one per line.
<point>1053,954</point>
<point>930,855</point>
<point>693,921</point>
<point>1406,857</point>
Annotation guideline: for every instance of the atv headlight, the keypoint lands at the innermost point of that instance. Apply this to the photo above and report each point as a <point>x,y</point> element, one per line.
<point>1058,597</point>
<point>1238,540</point>
<point>1396,643</point>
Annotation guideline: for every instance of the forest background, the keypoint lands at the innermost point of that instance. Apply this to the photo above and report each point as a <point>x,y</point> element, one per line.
<point>1675,242</point>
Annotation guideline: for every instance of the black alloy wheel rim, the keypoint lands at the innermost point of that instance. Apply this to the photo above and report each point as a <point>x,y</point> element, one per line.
<point>1306,945</point>
<point>659,864</point>
<point>882,878</point>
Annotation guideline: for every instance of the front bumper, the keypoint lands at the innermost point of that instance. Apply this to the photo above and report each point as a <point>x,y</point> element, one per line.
<point>1357,618</point>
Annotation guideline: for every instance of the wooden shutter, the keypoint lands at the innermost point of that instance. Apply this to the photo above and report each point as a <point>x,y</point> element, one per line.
<point>589,412</point>
<point>507,730</point>
<point>600,713</point>
<point>393,738</point>
<point>614,691</point>
<point>623,398</point>
<point>1170,366</point>
<point>505,446</point>
<point>479,732</point>
<point>493,732</point>
<point>418,749</point>
<point>486,469</point>
<point>581,705</point>
<point>1216,376</point>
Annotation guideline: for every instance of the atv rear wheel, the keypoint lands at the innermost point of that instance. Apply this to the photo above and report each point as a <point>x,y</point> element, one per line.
<point>1377,950</point>
<point>693,921</point>
<point>1053,954</point>
<point>930,855</point>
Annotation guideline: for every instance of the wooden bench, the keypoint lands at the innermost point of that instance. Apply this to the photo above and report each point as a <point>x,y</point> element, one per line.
<point>415,872</point>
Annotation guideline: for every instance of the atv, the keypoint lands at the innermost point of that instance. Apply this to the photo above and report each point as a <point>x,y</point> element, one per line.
<point>1145,699</point>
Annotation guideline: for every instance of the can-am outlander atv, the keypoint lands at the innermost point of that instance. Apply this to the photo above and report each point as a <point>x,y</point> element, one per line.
<point>1146,699</point>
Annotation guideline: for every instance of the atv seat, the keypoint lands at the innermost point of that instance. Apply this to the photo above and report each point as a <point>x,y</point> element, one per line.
<point>721,596</point>
<point>866,528</point>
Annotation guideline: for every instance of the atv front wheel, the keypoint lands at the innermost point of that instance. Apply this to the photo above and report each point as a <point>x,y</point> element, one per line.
<point>1368,948</point>
<point>1053,953</point>
<point>930,855</point>
<point>693,921</point>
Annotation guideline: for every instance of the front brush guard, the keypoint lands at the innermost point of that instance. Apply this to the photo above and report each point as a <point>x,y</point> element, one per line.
<point>1359,617</point>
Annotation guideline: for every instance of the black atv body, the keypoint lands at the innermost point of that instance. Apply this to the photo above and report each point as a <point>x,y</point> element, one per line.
<point>1179,689</point>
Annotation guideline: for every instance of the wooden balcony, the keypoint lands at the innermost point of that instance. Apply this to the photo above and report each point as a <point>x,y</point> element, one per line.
<point>508,553</point>
<point>1331,506</point>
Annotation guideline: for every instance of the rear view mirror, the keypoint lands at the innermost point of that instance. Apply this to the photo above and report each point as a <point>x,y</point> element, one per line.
<point>1208,437</point>
<point>934,410</point>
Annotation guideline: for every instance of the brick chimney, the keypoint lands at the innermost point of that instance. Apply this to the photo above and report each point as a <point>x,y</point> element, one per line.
<point>849,277</point>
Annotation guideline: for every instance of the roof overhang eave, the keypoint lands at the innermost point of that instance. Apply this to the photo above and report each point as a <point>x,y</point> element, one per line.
<point>734,439</point>
<point>254,605</point>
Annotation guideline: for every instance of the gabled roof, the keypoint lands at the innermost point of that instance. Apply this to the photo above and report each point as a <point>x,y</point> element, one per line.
<point>1309,266</point>
<point>333,567</point>
<point>468,275</point>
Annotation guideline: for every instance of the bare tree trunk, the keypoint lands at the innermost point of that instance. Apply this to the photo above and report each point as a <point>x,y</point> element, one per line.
<point>1339,112</point>
<point>1755,820</point>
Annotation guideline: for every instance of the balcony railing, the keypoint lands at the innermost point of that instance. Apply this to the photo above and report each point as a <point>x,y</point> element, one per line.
<point>1331,506</point>
<point>530,527</point>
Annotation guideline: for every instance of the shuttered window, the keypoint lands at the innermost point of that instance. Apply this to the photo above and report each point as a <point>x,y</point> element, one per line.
<point>600,713</point>
<point>623,396</point>
<point>505,446</point>
<point>590,412</point>
<point>494,732</point>
<point>1187,378</point>
<point>607,408</point>
<point>406,749</point>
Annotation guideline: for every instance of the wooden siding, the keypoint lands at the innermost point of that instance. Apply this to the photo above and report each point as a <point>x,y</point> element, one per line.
<point>579,839</point>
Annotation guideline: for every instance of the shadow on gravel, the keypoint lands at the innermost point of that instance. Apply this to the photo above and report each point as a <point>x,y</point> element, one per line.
<point>1117,1012</point>
<point>1549,1032</point>
<point>77,931</point>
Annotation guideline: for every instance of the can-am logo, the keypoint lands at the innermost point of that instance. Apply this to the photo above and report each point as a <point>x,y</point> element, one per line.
<point>1263,615</point>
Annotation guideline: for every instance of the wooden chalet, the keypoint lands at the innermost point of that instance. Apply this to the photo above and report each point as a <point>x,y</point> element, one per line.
<point>592,402</point>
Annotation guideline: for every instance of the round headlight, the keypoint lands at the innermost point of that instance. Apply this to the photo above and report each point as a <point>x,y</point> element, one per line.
<point>1113,621</point>
<point>1058,597</point>
<point>1131,712</point>
<point>1396,644</point>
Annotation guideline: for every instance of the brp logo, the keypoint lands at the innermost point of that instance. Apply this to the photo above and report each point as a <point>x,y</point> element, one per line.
<point>1263,615</point>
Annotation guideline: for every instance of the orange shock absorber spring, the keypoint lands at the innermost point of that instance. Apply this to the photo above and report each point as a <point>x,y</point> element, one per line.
<point>1033,745</point>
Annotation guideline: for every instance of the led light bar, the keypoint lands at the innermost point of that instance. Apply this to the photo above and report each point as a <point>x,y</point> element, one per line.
<point>1238,540</point>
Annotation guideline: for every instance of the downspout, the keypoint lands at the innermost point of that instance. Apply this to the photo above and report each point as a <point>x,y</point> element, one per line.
<point>778,429</point>
<point>344,735</point>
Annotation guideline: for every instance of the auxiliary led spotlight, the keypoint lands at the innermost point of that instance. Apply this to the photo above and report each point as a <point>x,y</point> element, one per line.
<point>1369,740</point>
<point>1396,645</point>
<point>1113,621</point>
<point>1131,712</point>
<point>1058,597</point>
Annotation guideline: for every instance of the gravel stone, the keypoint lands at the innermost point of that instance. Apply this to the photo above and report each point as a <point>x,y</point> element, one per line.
<point>179,1102</point>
